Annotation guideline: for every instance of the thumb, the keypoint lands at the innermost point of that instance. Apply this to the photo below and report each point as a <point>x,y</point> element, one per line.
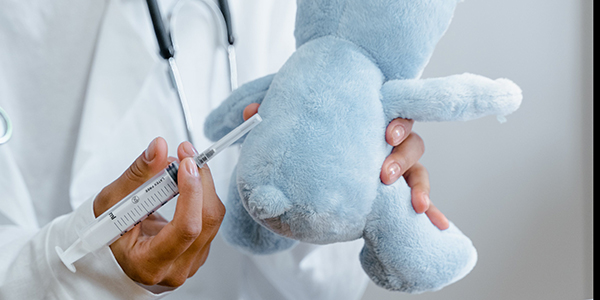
<point>153,160</point>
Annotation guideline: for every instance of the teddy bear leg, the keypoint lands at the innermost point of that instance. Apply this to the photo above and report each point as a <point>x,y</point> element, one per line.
<point>404,251</point>
<point>240,230</point>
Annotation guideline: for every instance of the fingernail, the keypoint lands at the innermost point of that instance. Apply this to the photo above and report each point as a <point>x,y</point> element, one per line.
<point>426,197</point>
<point>394,171</point>
<point>397,134</point>
<point>150,152</point>
<point>189,149</point>
<point>191,167</point>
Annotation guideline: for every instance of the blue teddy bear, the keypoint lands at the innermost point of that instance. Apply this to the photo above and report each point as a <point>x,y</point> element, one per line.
<point>310,171</point>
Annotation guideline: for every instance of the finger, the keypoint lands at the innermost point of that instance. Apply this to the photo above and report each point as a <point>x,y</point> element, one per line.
<point>402,158</point>
<point>417,179</point>
<point>199,261</point>
<point>250,110</point>
<point>398,130</point>
<point>186,149</point>
<point>437,217</point>
<point>213,209</point>
<point>181,270</point>
<point>186,225</point>
<point>186,265</point>
<point>213,212</point>
<point>152,161</point>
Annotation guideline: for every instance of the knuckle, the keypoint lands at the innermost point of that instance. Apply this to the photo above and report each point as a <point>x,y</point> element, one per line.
<point>193,272</point>
<point>201,261</point>
<point>212,220</point>
<point>175,280</point>
<point>150,278</point>
<point>214,216</point>
<point>135,172</point>
<point>189,232</point>
<point>418,142</point>
<point>220,210</point>
<point>421,146</point>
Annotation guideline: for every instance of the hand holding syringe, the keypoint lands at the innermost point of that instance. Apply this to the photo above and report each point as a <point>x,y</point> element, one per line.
<point>142,202</point>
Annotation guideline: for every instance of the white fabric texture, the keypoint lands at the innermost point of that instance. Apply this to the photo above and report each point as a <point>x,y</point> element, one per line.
<point>87,91</point>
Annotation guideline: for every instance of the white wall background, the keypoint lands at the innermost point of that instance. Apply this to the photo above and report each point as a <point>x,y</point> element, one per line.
<point>522,191</point>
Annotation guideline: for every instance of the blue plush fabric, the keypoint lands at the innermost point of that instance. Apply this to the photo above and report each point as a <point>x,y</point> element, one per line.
<point>310,170</point>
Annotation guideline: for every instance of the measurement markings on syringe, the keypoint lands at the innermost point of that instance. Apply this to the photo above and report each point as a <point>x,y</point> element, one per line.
<point>153,199</point>
<point>146,203</point>
<point>165,190</point>
<point>172,190</point>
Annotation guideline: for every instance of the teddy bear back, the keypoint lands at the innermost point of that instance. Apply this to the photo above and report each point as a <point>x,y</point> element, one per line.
<point>399,35</point>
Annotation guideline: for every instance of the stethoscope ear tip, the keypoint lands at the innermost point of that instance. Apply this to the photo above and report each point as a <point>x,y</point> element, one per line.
<point>5,127</point>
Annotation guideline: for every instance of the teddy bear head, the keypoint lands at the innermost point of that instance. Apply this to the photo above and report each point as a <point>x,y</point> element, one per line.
<point>399,35</point>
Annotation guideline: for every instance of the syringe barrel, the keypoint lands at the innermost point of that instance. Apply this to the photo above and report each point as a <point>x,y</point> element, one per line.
<point>131,210</point>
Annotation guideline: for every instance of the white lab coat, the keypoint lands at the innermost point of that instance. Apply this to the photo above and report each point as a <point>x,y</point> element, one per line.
<point>127,101</point>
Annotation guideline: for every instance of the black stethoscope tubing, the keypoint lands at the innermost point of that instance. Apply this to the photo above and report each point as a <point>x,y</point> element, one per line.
<point>167,51</point>
<point>165,44</point>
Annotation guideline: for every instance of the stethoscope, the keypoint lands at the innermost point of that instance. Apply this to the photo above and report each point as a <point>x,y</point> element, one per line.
<point>167,50</point>
<point>7,127</point>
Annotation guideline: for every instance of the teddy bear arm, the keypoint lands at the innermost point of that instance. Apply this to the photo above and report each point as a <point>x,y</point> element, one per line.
<point>454,98</point>
<point>229,114</point>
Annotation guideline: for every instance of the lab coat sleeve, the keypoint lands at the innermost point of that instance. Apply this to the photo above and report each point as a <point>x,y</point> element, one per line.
<point>31,269</point>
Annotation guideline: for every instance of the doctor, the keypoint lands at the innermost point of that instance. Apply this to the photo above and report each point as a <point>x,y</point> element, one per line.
<point>87,92</point>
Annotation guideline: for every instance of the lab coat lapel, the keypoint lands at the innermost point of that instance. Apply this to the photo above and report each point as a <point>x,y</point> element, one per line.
<point>122,65</point>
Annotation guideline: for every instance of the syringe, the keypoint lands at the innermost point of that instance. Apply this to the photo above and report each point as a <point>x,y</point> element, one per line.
<point>142,202</point>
